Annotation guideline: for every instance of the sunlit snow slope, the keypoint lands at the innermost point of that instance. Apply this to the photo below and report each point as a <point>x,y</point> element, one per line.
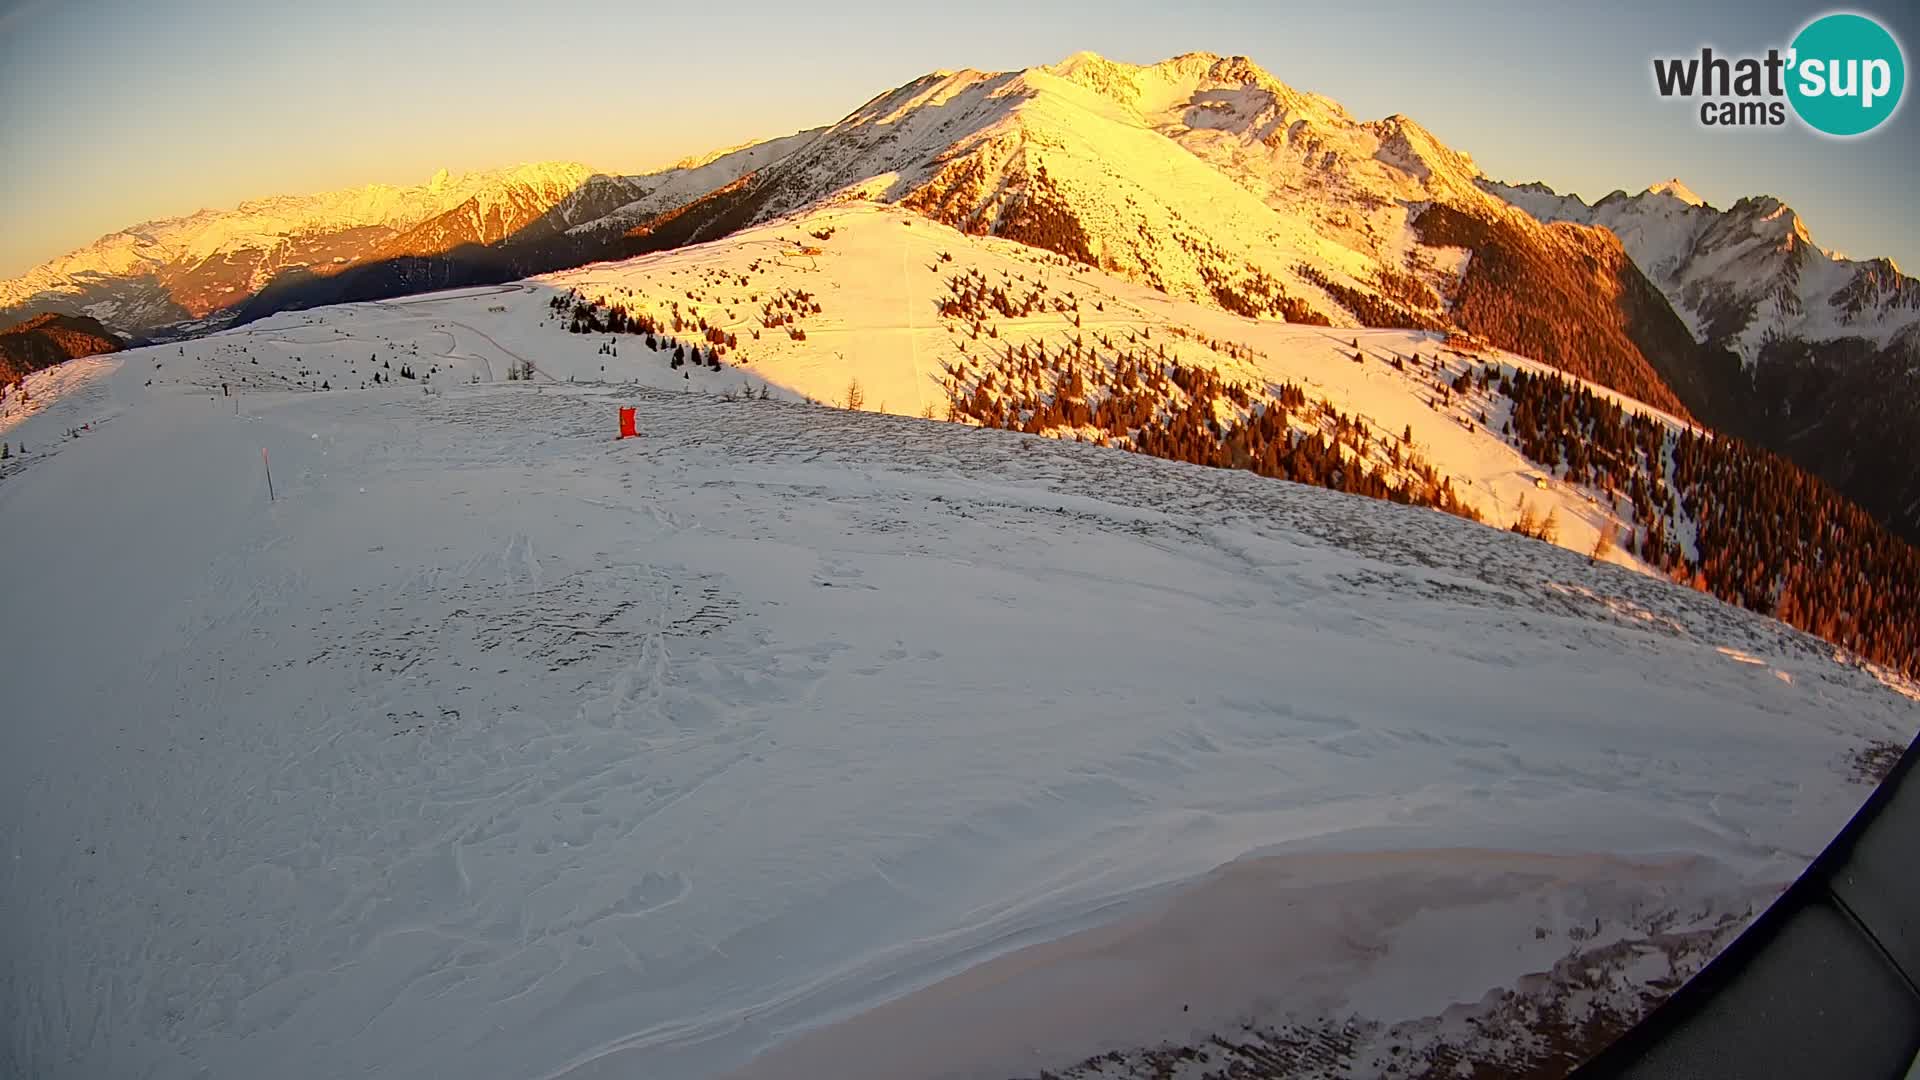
<point>493,747</point>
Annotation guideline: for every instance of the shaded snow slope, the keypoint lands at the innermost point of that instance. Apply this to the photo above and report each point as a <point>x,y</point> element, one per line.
<point>497,748</point>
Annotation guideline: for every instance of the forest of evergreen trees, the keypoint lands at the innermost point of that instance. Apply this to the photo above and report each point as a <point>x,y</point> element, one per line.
<point>1041,217</point>
<point>600,316</point>
<point>1124,398</point>
<point>1767,535</point>
<point>1561,307</point>
<point>1712,512</point>
<point>1377,311</point>
<point>1122,389</point>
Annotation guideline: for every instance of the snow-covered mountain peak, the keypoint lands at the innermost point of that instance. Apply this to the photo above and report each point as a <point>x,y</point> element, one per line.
<point>1410,147</point>
<point>1271,137</point>
<point>944,90</point>
<point>1198,89</point>
<point>1793,228</point>
<point>1673,188</point>
<point>552,176</point>
<point>696,161</point>
<point>1774,226</point>
<point>1201,176</point>
<point>1084,59</point>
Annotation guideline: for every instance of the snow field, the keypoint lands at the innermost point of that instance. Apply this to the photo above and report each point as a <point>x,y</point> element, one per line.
<point>495,747</point>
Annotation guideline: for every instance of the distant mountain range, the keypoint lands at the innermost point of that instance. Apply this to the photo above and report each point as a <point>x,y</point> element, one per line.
<point>192,273</point>
<point>1744,276</point>
<point>181,276</point>
<point>1203,176</point>
<point>1810,353</point>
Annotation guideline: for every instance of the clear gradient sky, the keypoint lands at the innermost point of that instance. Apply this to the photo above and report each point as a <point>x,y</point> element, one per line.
<point>118,111</point>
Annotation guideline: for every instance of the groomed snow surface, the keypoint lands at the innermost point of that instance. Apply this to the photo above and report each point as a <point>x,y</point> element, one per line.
<point>815,743</point>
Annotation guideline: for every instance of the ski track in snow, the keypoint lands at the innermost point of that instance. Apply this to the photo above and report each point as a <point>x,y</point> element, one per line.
<point>497,748</point>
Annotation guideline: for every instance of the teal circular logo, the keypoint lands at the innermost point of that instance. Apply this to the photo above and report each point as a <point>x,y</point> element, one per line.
<point>1847,74</point>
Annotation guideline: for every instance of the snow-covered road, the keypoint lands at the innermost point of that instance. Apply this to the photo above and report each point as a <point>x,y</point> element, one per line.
<point>497,748</point>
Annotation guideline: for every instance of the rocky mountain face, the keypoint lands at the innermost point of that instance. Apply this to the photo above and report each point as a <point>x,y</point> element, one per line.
<point>1807,352</point>
<point>46,340</point>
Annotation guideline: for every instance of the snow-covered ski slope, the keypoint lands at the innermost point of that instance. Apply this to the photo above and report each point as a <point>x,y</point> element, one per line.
<point>496,748</point>
<point>880,275</point>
